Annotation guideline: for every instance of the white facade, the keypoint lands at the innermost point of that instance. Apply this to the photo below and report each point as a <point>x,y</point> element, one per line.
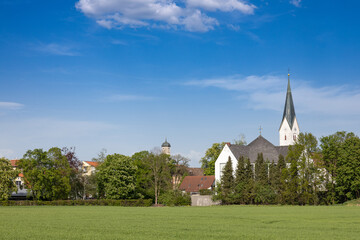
<point>165,150</point>
<point>288,136</point>
<point>222,160</point>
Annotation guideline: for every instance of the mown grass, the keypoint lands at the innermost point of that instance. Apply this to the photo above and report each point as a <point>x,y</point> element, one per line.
<point>217,222</point>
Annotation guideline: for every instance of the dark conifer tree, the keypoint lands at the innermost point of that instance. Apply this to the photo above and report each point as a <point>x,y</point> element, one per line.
<point>249,182</point>
<point>281,177</point>
<point>227,183</point>
<point>261,173</point>
<point>240,182</point>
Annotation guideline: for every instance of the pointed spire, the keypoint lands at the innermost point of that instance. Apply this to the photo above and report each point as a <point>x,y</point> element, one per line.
<point>289,109</point>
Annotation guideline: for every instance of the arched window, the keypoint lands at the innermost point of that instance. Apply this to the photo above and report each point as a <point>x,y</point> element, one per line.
<point>294,137</point>
<point>285,137</point>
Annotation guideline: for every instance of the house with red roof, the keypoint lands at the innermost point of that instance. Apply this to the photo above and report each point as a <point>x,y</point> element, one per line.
<point>193,184</point>
<point>89,167</point>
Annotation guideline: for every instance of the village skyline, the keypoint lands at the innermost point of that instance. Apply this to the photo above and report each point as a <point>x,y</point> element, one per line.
<point>73,74</point>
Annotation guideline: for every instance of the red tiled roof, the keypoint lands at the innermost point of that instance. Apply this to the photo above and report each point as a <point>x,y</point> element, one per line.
<point>21,175</point>
<point>94,164</point>
<point>195,183</point>
<point>14,163</point>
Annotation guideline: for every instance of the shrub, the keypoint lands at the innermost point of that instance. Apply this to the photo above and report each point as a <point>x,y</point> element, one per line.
<point>175,198</point>
<point>206,192</point>
<point>90,202</point>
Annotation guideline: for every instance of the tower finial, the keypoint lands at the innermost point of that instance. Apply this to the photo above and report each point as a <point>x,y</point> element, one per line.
<point>260,128</point>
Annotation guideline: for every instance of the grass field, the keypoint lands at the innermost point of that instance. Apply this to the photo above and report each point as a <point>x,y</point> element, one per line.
<point>218,222</point>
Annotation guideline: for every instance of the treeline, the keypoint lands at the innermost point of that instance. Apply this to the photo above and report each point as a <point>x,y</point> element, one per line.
<point>308,175</point>
<point>57,174</point>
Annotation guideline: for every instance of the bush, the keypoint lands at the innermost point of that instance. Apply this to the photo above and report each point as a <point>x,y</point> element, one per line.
<point>175,198</point>
<point>206,192</point>
<point>90,202</point>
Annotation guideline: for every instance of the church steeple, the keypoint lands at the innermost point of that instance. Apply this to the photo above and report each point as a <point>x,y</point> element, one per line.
<point>289,128</point>
<point>289,109</point>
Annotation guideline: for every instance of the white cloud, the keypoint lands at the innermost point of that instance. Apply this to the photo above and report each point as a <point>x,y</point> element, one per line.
<point>57,49</point>
<point>222,5</point>
<point>268,92</point>
<point>154,13</point>
<point>125,98</point>
<point>11,105</point>
<point>296,3</point>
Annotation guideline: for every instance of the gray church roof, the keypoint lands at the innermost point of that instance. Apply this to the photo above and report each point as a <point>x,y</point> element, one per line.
<point>259,145</point>
<point>289,109</point>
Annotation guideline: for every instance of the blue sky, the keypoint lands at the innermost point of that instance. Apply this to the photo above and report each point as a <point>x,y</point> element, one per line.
<point>123,75</point>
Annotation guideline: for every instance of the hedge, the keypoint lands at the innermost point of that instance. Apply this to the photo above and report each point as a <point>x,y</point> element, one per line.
<point>90,202</point>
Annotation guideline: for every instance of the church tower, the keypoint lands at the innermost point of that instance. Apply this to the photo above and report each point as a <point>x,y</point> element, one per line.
<point>289,128</point>
<point>165,147</point>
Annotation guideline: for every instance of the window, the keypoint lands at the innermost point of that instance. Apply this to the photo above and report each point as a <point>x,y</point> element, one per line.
<point>285,137</point>
<point>294,137</point>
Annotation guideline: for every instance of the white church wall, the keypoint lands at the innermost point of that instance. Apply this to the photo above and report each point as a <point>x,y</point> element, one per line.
<point>288,136</point>
<point>222,160</point>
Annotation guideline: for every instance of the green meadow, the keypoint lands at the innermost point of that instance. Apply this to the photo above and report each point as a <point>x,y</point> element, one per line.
<point>217,222</point>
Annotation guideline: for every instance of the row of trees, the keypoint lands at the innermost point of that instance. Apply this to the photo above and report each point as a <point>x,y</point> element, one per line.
<point>58,174</point>
<point>308,175</point>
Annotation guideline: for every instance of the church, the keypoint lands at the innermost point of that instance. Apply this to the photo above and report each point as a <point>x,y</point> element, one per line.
<point>288,132</point>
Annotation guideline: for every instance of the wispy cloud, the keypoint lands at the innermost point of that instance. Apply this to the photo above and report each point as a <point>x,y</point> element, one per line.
<point>190,16</point>
<point>296,3</point>
<point>127,98</point>
<point>57,49</point>
<point>268,92</point>
<point>11,105</point>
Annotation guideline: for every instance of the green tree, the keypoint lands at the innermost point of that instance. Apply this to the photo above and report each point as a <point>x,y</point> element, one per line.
<point>46,174</point>
<point>180,169</point>
<point>76,175</point>
<point>208,161</point>
<point>331,149</point>
<point>7,179</point>
<point>241,140</point>
<point>308,171</point>
<point>302,181</point>
<point>143,174</point>
<point>280,181</point>
<point>90,189</point>
<point>240,182</point>
<point>101,156</point>
<point>159,174</point>
<point>116,177</point>
<point>227,183</point>
<point>348,170</point>
<point>263,193</point>
<point>291,175</point>
<point>261,172</point>
<point>249,182</point>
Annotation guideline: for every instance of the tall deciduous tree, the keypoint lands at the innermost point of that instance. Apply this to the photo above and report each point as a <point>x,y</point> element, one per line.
<point>143,174</point>
<point>76,175</point>
<point>160,177</point>
<point>7,179</point>
<point>46,174</point>
<point>331,150</point>
<point>116,177</point>
<point>180,168</point>
<point>348,170</point>
<point>208,161</point>
<point>101,156</point>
